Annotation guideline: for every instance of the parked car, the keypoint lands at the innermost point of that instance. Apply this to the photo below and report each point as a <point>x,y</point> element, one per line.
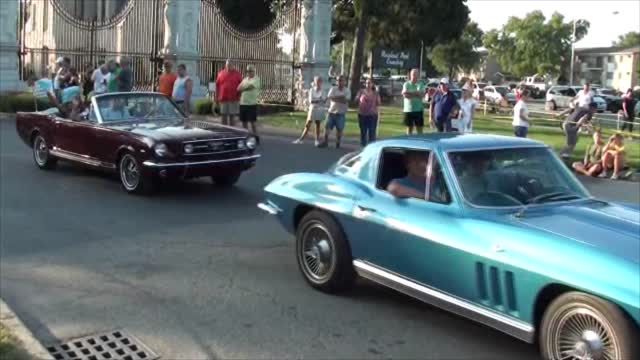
<point>560,96</point>
<point>505,235</point>
<point>611,97</point>
<point>498,94</point>
<point>141,136</point>
<point>478,92</point>
<point>600,102</point>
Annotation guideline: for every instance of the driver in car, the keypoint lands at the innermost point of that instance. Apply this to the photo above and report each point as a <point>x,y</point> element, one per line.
<point>117,111</point>
<point>414,184</point>
<point>474,180</point>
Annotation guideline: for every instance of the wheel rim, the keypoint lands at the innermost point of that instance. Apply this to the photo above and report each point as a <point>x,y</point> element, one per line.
<point>40,151</point>
<point>317,255</point>
<point>129,172</point>
<point>581,333</point>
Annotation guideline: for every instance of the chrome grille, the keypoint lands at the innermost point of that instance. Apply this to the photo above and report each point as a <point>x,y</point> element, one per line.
<point>212,146</point>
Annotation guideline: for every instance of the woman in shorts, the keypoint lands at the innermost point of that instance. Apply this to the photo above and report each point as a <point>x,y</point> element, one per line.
<point>317,110</point>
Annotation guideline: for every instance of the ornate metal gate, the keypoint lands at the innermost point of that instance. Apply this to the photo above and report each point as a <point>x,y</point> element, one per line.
<point>268,41</point>
<point>90,31</point>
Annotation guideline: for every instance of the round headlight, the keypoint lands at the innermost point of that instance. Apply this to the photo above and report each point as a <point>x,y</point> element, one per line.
<point>161,149</point>
<point>252,142</point>
<point>188,149</point>
<point>242,144</point>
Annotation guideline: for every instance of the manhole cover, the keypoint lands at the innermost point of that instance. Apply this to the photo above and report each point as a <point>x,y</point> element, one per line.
<point>117,344</point>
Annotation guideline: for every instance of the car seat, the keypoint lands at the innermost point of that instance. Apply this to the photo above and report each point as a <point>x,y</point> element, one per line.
<point>393,166</point>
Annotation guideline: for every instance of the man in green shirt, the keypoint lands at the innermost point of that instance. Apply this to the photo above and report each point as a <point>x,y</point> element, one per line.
<point>413,109</point>
<point>114,72</point>
<point>249,90</point>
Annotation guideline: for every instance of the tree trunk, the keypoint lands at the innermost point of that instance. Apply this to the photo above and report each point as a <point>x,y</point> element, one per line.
<point>450,73</point>
<point>358,50</point>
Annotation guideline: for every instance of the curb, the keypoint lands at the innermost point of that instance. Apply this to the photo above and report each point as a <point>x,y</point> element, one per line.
<point>20,332</point>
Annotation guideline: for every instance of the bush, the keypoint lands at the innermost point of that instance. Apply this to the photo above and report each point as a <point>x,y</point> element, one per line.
<point>12,103</point>
<point>202,106</point>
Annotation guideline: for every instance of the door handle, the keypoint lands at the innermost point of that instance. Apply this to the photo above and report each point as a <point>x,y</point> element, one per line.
<point>366,209</point>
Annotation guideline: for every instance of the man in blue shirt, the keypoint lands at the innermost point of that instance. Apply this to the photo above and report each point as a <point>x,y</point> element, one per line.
<point>441,107</point>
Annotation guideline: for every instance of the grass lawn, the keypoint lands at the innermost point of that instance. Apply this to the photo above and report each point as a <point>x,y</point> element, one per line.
<point>546,130</point>
<point>9,346</point>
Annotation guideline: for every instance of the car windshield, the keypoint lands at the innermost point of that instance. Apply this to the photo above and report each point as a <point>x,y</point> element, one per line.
<point>137,108</point>
<point>514,177</point>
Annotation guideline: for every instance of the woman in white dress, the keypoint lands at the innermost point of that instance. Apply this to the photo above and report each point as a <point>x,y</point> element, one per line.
<point>467,108</point>
<point>317,110</point>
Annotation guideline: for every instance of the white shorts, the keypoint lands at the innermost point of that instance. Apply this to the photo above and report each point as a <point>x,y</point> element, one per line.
<point>316,114</point>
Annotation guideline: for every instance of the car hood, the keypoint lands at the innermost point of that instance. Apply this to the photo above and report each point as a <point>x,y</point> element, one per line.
<point>180,133</point>
<point>610,228</point>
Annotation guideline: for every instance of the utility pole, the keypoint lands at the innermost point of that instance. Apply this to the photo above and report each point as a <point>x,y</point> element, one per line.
<point>342,61</point>
<point>573,52</point>
<point>421,54</point>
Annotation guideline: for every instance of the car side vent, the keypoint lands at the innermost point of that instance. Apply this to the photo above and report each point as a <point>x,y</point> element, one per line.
<point>491,289</point>
<point>481,282</point>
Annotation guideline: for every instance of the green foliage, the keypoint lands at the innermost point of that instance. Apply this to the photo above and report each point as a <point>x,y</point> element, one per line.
<point>628,40</point>
<point>459,54</point>
<point>530,45</point>
<point>17,102</point>
<point>203,106</point>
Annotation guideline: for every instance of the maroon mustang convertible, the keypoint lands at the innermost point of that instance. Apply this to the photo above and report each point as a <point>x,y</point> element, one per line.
<point>141,135</point>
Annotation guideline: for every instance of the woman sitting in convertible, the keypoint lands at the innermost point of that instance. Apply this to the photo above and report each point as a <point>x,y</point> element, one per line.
<point>71,107</point>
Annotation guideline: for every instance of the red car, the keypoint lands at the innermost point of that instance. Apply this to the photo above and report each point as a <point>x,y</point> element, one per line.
<point>141,135</point>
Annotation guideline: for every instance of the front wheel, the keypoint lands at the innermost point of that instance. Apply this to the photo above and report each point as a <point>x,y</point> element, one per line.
<point>323,253</point>
<point>226,180</point>
<point>580,326</point>
<point>41,154</point>
<point>131,176</point>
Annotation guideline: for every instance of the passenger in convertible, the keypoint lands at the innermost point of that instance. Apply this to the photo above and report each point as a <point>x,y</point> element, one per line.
<point>71,107</point>
<point>117,111</point>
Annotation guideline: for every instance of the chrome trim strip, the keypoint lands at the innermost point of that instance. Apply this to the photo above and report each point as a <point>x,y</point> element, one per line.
<point>154,164</point>
<point>207,140</point>
<point>214,152</point>
<point>80,158</point>
<point>514,327</point>
<point>270,208</point>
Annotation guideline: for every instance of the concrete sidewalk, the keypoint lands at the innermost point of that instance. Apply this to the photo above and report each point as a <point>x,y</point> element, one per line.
<point>17,328</point>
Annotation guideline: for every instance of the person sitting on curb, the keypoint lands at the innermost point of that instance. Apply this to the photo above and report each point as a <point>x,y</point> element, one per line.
<point>592,163</point>
<point>613,157</point>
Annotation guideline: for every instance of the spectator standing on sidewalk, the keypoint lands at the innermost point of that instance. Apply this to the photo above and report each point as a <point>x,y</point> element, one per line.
<point>317,110</point>
<point>249,90</point>
<point>441,107</point>
<point>87,80</point>
<point>339,96</point>
<point>182,89</point>
<point>99,78</point>
<point>467,106</point>
<point>521,115</point>
<point>227,83</point>
<point>167,79</point>
<point>368,101</point>
<point>413,109</point>
<point>125,78</point>
<point>628,111</point>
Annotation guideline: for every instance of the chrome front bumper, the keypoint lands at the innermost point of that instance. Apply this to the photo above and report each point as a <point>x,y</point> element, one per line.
<point>154,164</point>
<point>270,208</point>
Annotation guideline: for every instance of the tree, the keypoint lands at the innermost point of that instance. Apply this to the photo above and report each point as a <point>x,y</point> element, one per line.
<point>628,40</point>
<point>392,24</point>
<point>531,45</point>
<point>459,54</point>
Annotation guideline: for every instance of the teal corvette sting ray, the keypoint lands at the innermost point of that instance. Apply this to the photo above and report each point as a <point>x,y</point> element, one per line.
<point>493,228</point>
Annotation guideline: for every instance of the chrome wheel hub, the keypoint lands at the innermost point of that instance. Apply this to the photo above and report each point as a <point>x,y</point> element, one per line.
<point>317,255</point>
<point>129,172</point>
<point>41,151</point>
<point>581,334</point>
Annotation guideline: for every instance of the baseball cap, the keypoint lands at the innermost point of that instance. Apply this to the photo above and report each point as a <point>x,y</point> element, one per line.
<point>444,80</point>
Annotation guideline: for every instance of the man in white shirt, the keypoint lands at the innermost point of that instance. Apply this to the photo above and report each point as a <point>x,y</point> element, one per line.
<point>521,115</point>
<point>584,96</point>
<point>338,105</point>
<point>99,78</point>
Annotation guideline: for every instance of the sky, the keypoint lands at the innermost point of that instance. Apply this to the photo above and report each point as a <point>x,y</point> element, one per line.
<point>605,26</point>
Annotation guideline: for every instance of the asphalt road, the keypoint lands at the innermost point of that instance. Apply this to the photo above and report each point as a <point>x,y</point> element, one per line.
<point>196,272</point>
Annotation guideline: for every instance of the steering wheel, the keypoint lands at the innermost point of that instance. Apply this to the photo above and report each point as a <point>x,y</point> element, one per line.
<point>528,187</point>
<point>493,198</point>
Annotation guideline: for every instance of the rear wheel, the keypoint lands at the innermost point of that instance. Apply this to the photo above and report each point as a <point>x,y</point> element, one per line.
<point>131,176</point>
<point>41,154</point>
<point>323,253</point>
<point>581,326</point>
<point>551,105</point>
<point>226,180</point>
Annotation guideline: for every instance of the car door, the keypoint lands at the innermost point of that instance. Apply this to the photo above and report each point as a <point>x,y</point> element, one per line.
<point>73,138</point>
<point>411,237</point>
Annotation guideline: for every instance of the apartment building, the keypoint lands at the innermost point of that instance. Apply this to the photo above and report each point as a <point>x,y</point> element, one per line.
<point>609,67</point>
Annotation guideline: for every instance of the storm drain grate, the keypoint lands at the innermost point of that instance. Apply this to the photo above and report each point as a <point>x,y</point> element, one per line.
<point>112,345</point>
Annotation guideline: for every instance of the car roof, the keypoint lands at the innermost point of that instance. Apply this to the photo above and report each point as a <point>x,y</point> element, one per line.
<point>459,142</point>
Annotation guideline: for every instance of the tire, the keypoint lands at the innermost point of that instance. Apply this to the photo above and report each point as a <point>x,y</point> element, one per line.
<point>323,253</point>
<point>226,181</point>
<point>576,316</point>
<point>131,178</point>
<point>41,155</point>
<point>552,105</point>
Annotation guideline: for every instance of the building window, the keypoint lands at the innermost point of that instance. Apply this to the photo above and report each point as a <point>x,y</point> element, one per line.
<point>599,61</point>
<point>611,59</point>
<point>45,16</point>
<point>609,76</point>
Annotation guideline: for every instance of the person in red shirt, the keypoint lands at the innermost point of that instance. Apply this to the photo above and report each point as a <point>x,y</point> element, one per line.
<point>227,92</point>
<point>166,80</point>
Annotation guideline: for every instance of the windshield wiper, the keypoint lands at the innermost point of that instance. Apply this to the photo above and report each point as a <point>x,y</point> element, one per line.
<point>553,196</point>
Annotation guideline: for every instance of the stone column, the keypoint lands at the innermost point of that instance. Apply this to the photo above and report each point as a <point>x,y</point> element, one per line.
<point>9,77</point>
<point>314,47</point>
<point>181,18</point>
